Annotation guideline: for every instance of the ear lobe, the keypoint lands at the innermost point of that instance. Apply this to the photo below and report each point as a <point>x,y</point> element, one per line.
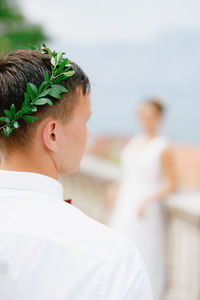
<point>49,136</point>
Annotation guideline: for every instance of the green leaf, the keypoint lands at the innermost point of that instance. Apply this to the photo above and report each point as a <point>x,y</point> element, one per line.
<point>30,119</point>
<point>49,51</point>
<point>46,77</point>
<point>41,87</point>
<point>54,94</point>
<point>12,110</point>
<point>44,93</point>
<point>53,61</point>
<point>43,101</point>
<point>18,114</point>
<point>16,124</point>
<point>32,47</point>
<point>7,120</point>
<point>69,73</point>
<point>24,110</point>
<point>8,114</point>
<point>3,119</point>
<point>5,133</point>
<point>30,91</point>
<point>34,88</point>
<point>33,109</point>
<point>7,130</point>
<point>59,79</point>
<point>26,100</point>
<point>59,57</point>
<point>59,88</point>
<point>63,64</point>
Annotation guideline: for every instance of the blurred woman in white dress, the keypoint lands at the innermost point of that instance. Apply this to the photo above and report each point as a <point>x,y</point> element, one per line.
<point>148,176</point>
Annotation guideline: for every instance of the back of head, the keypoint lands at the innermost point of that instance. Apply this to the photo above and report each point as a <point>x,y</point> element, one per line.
<point>157,104</point>
<point>29,66</point>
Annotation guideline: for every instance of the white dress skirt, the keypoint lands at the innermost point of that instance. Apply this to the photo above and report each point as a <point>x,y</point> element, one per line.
<point>143,177</point>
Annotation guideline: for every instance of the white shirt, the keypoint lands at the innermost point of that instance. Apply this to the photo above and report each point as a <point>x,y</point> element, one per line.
<point>50,250</point>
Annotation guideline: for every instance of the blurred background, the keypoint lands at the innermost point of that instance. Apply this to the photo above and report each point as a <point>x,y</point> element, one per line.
<point>131,50</point>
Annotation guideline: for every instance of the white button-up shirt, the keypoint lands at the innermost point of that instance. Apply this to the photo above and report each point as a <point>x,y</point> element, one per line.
<point>50,250</point>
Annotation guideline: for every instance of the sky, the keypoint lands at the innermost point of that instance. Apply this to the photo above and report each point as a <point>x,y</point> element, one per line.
<point>107,21</point>
<point>150,47</point>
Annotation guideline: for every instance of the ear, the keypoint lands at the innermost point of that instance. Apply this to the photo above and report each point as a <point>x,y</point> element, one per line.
<point>49,134</point>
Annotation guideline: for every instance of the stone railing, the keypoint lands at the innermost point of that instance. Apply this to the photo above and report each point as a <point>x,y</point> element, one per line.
<point>87,191</point>
<point>183,240</point>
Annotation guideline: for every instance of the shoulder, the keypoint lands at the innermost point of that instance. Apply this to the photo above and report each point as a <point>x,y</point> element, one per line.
<point>100,242</point>
<point>165,144</point>
<point>164,140</point>
<point>124,271</point>
<point>162,144</point>
<point>63,223</point>
<point>167,155</point>
<point>91,235</point>
<point>132,143</point>
<point>83,241</point>
<point>54,220</point>
<point>137,137</point>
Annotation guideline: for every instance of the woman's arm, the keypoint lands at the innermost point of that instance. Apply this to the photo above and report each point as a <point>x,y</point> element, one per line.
<point>169,171</point>
<point>111,195</point>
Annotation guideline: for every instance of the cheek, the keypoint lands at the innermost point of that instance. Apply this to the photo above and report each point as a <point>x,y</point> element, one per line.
<point>79,140</point>
<point>74,140</point>
<point>84,136</point>
<point>144,120</point>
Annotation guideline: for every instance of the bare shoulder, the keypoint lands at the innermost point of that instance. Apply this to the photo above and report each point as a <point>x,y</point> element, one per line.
<point>169,165</point>
<point>167,154</point>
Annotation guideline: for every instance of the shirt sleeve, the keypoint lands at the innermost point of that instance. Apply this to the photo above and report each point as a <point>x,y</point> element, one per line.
<point>128,279</point>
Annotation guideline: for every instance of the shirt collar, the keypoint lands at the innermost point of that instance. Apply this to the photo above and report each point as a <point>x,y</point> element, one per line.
<point>30,181</point>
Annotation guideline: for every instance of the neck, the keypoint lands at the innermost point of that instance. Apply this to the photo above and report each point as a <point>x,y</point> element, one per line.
<point>151,133</point>
<point>29,161</point>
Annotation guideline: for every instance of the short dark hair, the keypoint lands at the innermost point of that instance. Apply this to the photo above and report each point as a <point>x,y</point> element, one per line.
<point>23,66</point>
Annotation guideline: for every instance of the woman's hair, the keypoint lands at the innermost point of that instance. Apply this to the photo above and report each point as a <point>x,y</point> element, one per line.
<point>29,66</point>
<point>157,103</point>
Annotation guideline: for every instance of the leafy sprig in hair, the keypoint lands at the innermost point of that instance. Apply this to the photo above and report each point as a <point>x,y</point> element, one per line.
<point>61,69</point>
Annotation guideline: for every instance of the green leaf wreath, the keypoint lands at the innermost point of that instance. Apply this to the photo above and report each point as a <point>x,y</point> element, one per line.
<point>61,70</point>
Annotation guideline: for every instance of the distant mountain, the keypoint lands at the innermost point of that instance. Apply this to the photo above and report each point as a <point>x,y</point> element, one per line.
<point>122,75</point>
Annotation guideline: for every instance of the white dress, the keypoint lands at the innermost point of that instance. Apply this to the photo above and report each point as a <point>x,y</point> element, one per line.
<point>142,177</point>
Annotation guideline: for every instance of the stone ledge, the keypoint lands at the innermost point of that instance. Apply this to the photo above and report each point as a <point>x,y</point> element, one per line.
<point>184,204</point>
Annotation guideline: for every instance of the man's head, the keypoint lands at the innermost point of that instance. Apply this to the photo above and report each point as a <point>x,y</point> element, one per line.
<point>60,131</point>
